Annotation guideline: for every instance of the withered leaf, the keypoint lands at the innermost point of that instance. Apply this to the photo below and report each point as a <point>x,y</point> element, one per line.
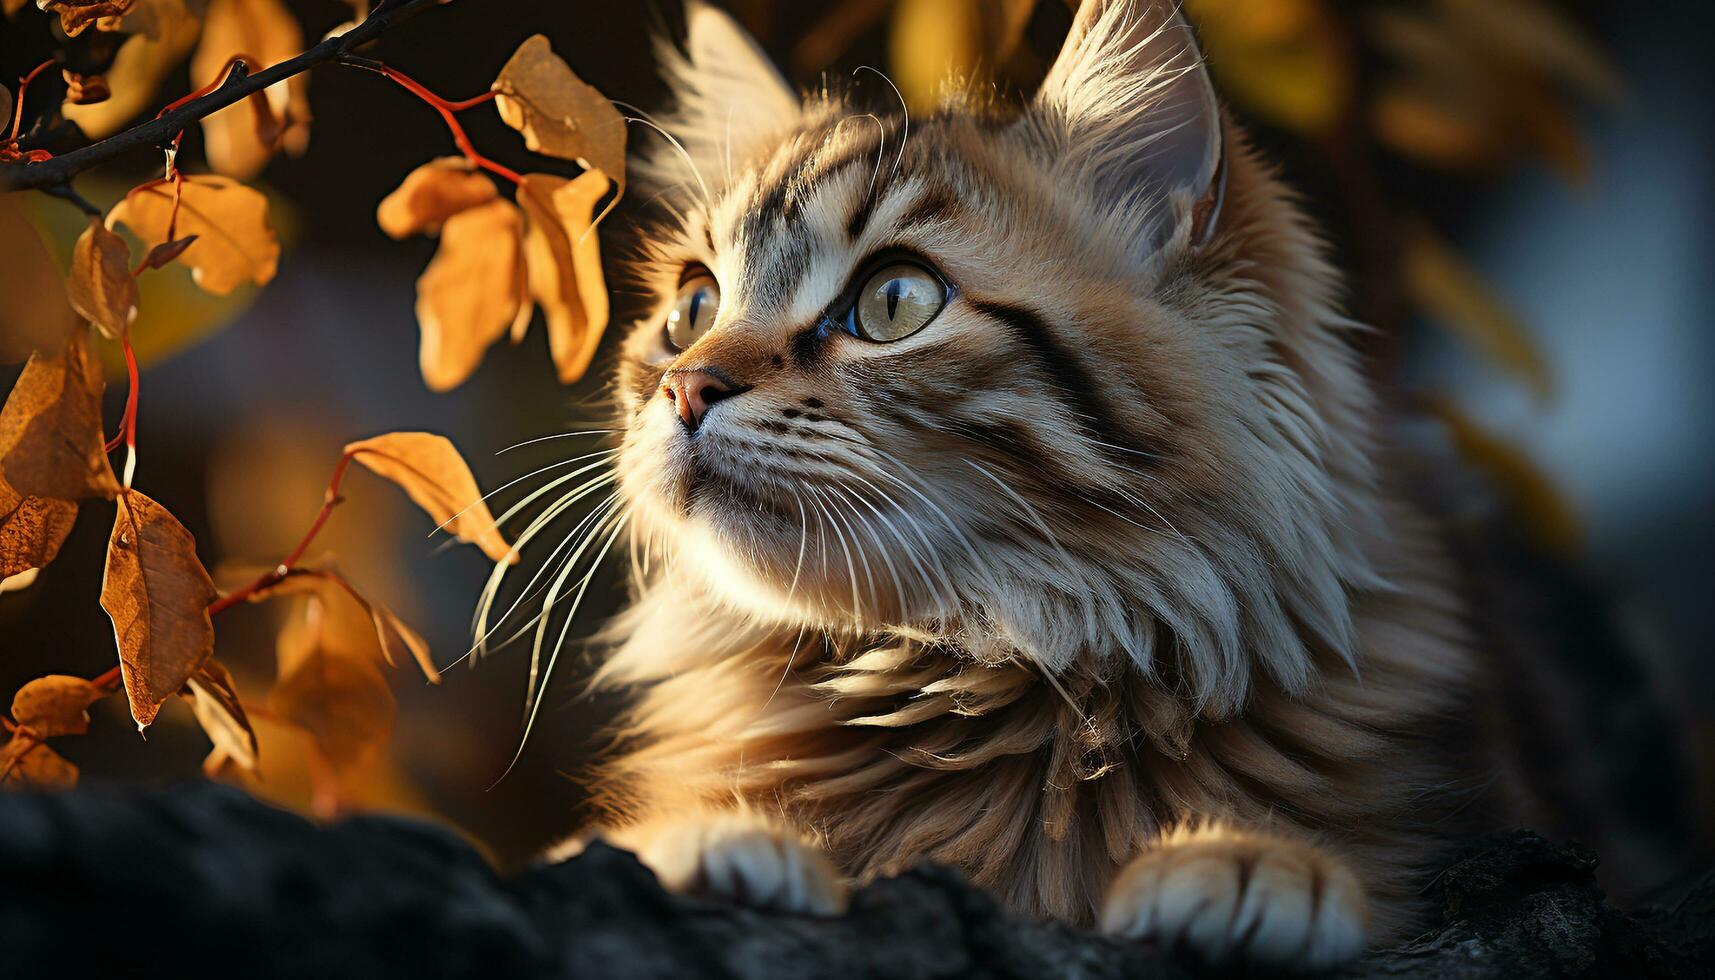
<point>32,531</point>
<point>394,638</point>
<point>472,293</point>
<point>435,476</point>
<point>559,113</point>
<point>50,430</point>
<point>239,140</point>
<point>57,704</point>
<point>431,194</point>
<point>157,594</point>
<point>31,318</point>
<point>214,700</point>
<point>331,688</point>
<point>163,32</point>
<point>28,764</point>
<point>100,286</point>
<point>76,15</point>
<point>235,241</point>
<point>563,256</point>
<point>166,252</point>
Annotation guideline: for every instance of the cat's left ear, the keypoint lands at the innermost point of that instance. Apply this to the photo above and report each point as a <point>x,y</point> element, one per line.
<point>728,97</point>
<point>1131,102</point>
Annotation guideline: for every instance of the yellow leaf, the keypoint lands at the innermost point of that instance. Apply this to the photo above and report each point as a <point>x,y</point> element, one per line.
<point>392,636</point>
<point>434,475</point>
<point>1279,58</point>
<point>1454,294</point>
<point>431,194</point>
<point>157,594</point>
<point>341,699</point>
<point>472,293</point>
<point>559,113</point>
<point>562,254</point>
<point>100,286</point>
<point>235,240</point>
<point>163,32</point>
<point>242,137</point>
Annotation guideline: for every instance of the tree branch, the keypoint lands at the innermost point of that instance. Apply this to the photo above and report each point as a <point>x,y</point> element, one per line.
<point>58,171</point>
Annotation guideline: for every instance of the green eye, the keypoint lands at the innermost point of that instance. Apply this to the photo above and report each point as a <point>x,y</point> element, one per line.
<point>693,312</point>
<point>896,302</point>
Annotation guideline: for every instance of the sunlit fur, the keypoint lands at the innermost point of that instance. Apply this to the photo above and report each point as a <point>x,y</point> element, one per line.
<point>1110,548</point>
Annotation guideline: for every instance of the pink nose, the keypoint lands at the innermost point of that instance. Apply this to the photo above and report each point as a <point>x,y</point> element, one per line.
<point>693,391</point>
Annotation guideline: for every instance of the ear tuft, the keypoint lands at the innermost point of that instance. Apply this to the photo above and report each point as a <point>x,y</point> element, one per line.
<point>1133,101</point>
<point>728,97</point>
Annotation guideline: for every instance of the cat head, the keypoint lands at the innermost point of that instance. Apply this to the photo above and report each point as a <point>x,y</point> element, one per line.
<point>1062,384</point>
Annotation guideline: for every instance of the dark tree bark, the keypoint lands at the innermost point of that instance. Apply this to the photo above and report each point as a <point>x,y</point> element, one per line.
<point>203,880</point>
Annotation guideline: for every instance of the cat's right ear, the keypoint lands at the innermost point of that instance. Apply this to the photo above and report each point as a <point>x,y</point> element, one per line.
<point>1131,108</point>
<point>729,99</point>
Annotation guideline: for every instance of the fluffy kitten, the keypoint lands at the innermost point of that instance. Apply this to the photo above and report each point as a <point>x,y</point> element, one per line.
<point>1020,507</point>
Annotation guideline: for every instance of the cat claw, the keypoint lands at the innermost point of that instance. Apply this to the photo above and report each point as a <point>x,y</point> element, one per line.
<point>745,861</point>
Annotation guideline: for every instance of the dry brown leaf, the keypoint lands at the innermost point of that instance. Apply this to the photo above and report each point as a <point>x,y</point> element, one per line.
<point>435,476</point>
<point>1544,513</point>
<point>6,103</point>
<point>31,318</point>
<point>473,292</point>
<point>563,257</point>
<point>235,241</point>
<point>157,594</point>
<point>100,286</point>
<point>163,33</point>
<point>394,639</point>
<point>28,764</point>
<point>214,701</point>
<point>50,430</point>
<point>559,113</point>
<point>76,15</point>
<point>237,142</point>
<point>32,531</point>
<point>431,194</point>
<point>331,690</point>
<point>57,704</point>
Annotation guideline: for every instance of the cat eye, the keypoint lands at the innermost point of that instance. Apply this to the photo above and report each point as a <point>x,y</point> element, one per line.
<point>693,311</point>
<point>896,302</point>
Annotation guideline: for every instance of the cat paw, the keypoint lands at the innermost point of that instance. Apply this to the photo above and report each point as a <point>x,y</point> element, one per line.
<point>743,859</point>
<point>1231,896</point>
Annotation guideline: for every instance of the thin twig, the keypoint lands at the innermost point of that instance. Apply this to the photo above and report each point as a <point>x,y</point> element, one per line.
<point>157,132</point>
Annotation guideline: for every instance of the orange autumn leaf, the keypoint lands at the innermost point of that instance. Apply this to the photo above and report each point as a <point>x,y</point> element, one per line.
<point>57,704</point>
<point>214,701</point>
<point>28,764</point>
<point>431,194</point>
<point>157,594</point>
<point>331,686</point>
<point>563,257</point>
<point>50,430</point>
<point>436,477</point>
<point>559,113</point>
<point>31,318</point>
<point>76,15</point>
<point>32,531</point>
<point>473,293</point>
<point>100,286</point>
<point>394,638</point>
<point>242,137</point>
<point>235,241</point>
<point>162,33</point>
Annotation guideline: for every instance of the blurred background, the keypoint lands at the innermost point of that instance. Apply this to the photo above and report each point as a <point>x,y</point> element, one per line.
<point>1520,188</point>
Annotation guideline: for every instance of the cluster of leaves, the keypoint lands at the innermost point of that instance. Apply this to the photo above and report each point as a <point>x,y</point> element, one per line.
<point>499,259</point>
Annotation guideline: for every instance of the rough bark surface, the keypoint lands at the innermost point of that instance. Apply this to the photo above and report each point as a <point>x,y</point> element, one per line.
<point>203,880</point>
